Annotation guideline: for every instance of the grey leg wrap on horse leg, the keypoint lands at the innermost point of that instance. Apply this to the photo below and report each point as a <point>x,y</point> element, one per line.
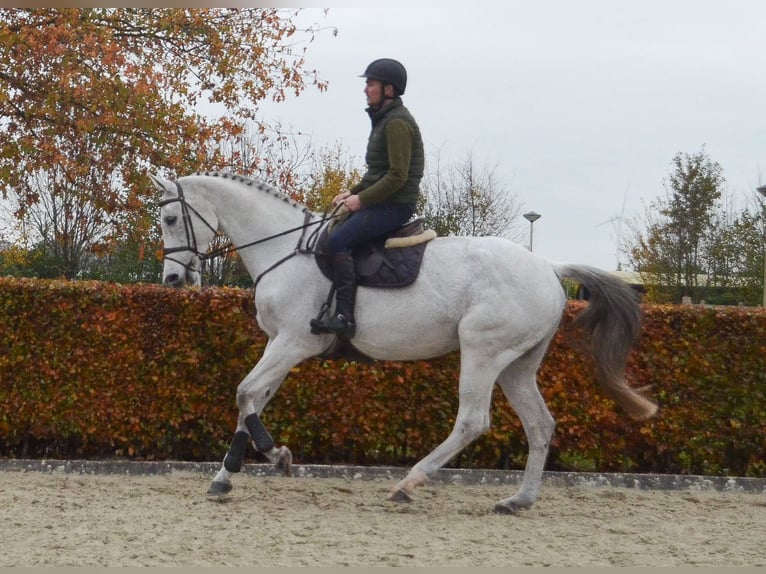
<point>233,459</point>
<point>263,441</point>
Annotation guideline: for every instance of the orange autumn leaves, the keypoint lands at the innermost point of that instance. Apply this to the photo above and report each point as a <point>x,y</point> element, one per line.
<point>98,96</point>
<point>96,369</point>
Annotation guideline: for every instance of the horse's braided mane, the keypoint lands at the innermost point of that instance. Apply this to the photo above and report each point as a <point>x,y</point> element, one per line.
<point>254,182</point>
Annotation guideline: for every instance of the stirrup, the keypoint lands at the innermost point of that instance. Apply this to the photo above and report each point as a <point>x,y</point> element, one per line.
<point>343,327</point>
<point>317,325</point>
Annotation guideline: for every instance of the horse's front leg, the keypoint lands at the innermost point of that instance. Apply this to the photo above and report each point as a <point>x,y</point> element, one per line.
<point>253,394</point>
<point>281,456</point>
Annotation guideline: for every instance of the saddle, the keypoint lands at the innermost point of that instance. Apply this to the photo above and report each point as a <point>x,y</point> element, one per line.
<point>390,261</point>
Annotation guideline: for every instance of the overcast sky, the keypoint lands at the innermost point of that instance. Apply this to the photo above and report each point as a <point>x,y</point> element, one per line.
<point>577,105</point>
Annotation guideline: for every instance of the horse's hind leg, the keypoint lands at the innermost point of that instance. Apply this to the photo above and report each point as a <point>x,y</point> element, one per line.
<point>519,384</point>
<point>477,378</point>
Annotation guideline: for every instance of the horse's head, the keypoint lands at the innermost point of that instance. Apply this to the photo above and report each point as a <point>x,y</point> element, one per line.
<point>188,224</point>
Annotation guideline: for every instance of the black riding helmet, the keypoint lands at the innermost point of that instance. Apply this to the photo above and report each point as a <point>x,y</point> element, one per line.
<point>387,71</point>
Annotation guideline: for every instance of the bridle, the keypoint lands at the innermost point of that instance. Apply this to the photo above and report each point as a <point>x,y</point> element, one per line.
<point>191,238</point>
<point>303,246</point>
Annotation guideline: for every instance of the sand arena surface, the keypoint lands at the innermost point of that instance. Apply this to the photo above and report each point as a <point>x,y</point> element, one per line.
<point>60,519</point>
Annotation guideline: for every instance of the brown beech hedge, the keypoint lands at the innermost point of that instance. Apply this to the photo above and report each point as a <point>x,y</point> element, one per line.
<point>96,370</point>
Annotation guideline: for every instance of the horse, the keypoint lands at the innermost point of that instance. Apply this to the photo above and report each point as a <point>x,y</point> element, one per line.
<point>493,300</point>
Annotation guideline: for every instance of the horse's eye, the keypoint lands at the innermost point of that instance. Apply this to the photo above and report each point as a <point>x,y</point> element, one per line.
<point>171,219</point>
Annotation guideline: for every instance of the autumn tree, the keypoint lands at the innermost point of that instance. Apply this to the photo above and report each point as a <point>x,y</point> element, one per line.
<point>333,170</point>
<point>690,243</point>
<point>670,249</point>
<point>90,99</point>
<point>463,199</point>
<point>71,230</point>
<point>734,250</point>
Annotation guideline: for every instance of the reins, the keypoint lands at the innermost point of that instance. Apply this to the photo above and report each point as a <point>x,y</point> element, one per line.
<point>191,239</point>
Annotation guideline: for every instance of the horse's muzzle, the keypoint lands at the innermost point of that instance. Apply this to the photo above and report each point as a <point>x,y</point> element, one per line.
<point>175,280</point>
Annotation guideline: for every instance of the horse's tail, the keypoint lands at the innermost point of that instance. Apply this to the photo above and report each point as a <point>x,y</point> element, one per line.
<point>613,320</point>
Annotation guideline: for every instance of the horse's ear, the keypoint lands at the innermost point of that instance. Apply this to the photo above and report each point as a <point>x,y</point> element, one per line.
<point>161,184</point>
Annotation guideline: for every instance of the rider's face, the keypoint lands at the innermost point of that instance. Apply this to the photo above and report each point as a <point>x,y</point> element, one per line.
<point>373,89</point>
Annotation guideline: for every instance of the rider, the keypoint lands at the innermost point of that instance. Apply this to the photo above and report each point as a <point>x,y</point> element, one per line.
<point>387,194</point>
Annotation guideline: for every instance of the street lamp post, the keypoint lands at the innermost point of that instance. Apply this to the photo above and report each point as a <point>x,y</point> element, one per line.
<point>762,191</point>
<point>531,217</point>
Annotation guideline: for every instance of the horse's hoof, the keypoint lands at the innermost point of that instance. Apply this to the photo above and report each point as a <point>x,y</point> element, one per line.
<point>284,461</point>
<point>399,496</point>
<point>219,488</point>
<point>503,509</point>
<point>511,506</point>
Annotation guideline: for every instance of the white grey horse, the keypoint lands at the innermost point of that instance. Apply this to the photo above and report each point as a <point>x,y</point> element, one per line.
<point>496,302</point>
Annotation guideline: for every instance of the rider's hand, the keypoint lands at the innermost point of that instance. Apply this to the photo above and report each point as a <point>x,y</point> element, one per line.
<point>340,197</point>
<point>353,203</point>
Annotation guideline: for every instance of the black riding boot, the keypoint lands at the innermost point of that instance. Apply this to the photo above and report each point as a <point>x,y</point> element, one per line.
<point>342,322</point>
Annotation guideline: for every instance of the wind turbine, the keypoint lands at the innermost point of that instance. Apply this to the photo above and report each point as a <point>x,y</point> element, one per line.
<point>617,221</point>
